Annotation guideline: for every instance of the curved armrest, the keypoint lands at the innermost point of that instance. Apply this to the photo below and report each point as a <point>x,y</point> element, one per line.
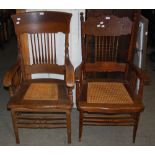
<point>140,74</point>
<point>9,75</point>
<point>70,79</point>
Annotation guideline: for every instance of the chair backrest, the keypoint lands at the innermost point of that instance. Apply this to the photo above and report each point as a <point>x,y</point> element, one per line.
<point>37,41</point>
<point>101,43</point>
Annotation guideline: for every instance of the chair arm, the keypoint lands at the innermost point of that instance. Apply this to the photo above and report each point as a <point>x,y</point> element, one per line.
<point>70,78</point>
<point>140,74</point>
<point>10,74</point>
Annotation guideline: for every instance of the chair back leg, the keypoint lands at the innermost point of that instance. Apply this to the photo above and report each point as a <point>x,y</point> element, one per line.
<point>80,125</point>
<point>136,116</point>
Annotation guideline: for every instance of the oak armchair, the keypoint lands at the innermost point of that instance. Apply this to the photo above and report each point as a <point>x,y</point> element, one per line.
<point>41,102</point>
<point>107,89</point>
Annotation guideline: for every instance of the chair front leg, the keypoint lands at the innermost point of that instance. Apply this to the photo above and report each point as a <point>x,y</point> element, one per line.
<point>14,121</point>
<point>68,116</point>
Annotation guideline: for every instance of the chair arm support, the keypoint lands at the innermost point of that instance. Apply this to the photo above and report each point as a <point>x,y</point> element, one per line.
<point>78,73</point>
<point>140,74</point>
<point>9,75</point>
<point>78,79</point>
<point>70,78</point>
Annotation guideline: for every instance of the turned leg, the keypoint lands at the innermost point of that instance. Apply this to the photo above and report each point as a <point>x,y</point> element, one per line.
<point>13,113</point>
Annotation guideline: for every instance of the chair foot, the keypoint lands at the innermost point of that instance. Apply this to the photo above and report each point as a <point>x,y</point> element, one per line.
<point>17,141</point>
<point>69,141</point>
<point>80,139</point>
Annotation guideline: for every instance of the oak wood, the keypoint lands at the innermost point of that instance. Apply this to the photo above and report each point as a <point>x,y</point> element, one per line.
<point>101,47</point>
<point>105,67</point>
<point>36,34</point>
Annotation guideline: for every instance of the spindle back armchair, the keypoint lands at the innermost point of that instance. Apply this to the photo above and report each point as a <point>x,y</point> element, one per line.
<point>106,80</point>
<point>41,102</point>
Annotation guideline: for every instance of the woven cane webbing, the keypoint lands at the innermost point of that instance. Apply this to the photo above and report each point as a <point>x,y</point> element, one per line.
<point>42,91</point>
<point>107,92</point>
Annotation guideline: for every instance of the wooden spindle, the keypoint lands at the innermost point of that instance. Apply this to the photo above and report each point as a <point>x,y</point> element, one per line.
<point>96,48</point>
<point>109,48</point>
<point>43,59</point>
<point>35,49</point>
<point>48,49</point>
<point>32,49</point>
<point>54,49</point>
<point>39,52</point>
<point>45,48</point>
<point>112,53</point>
<point>116,48</point>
